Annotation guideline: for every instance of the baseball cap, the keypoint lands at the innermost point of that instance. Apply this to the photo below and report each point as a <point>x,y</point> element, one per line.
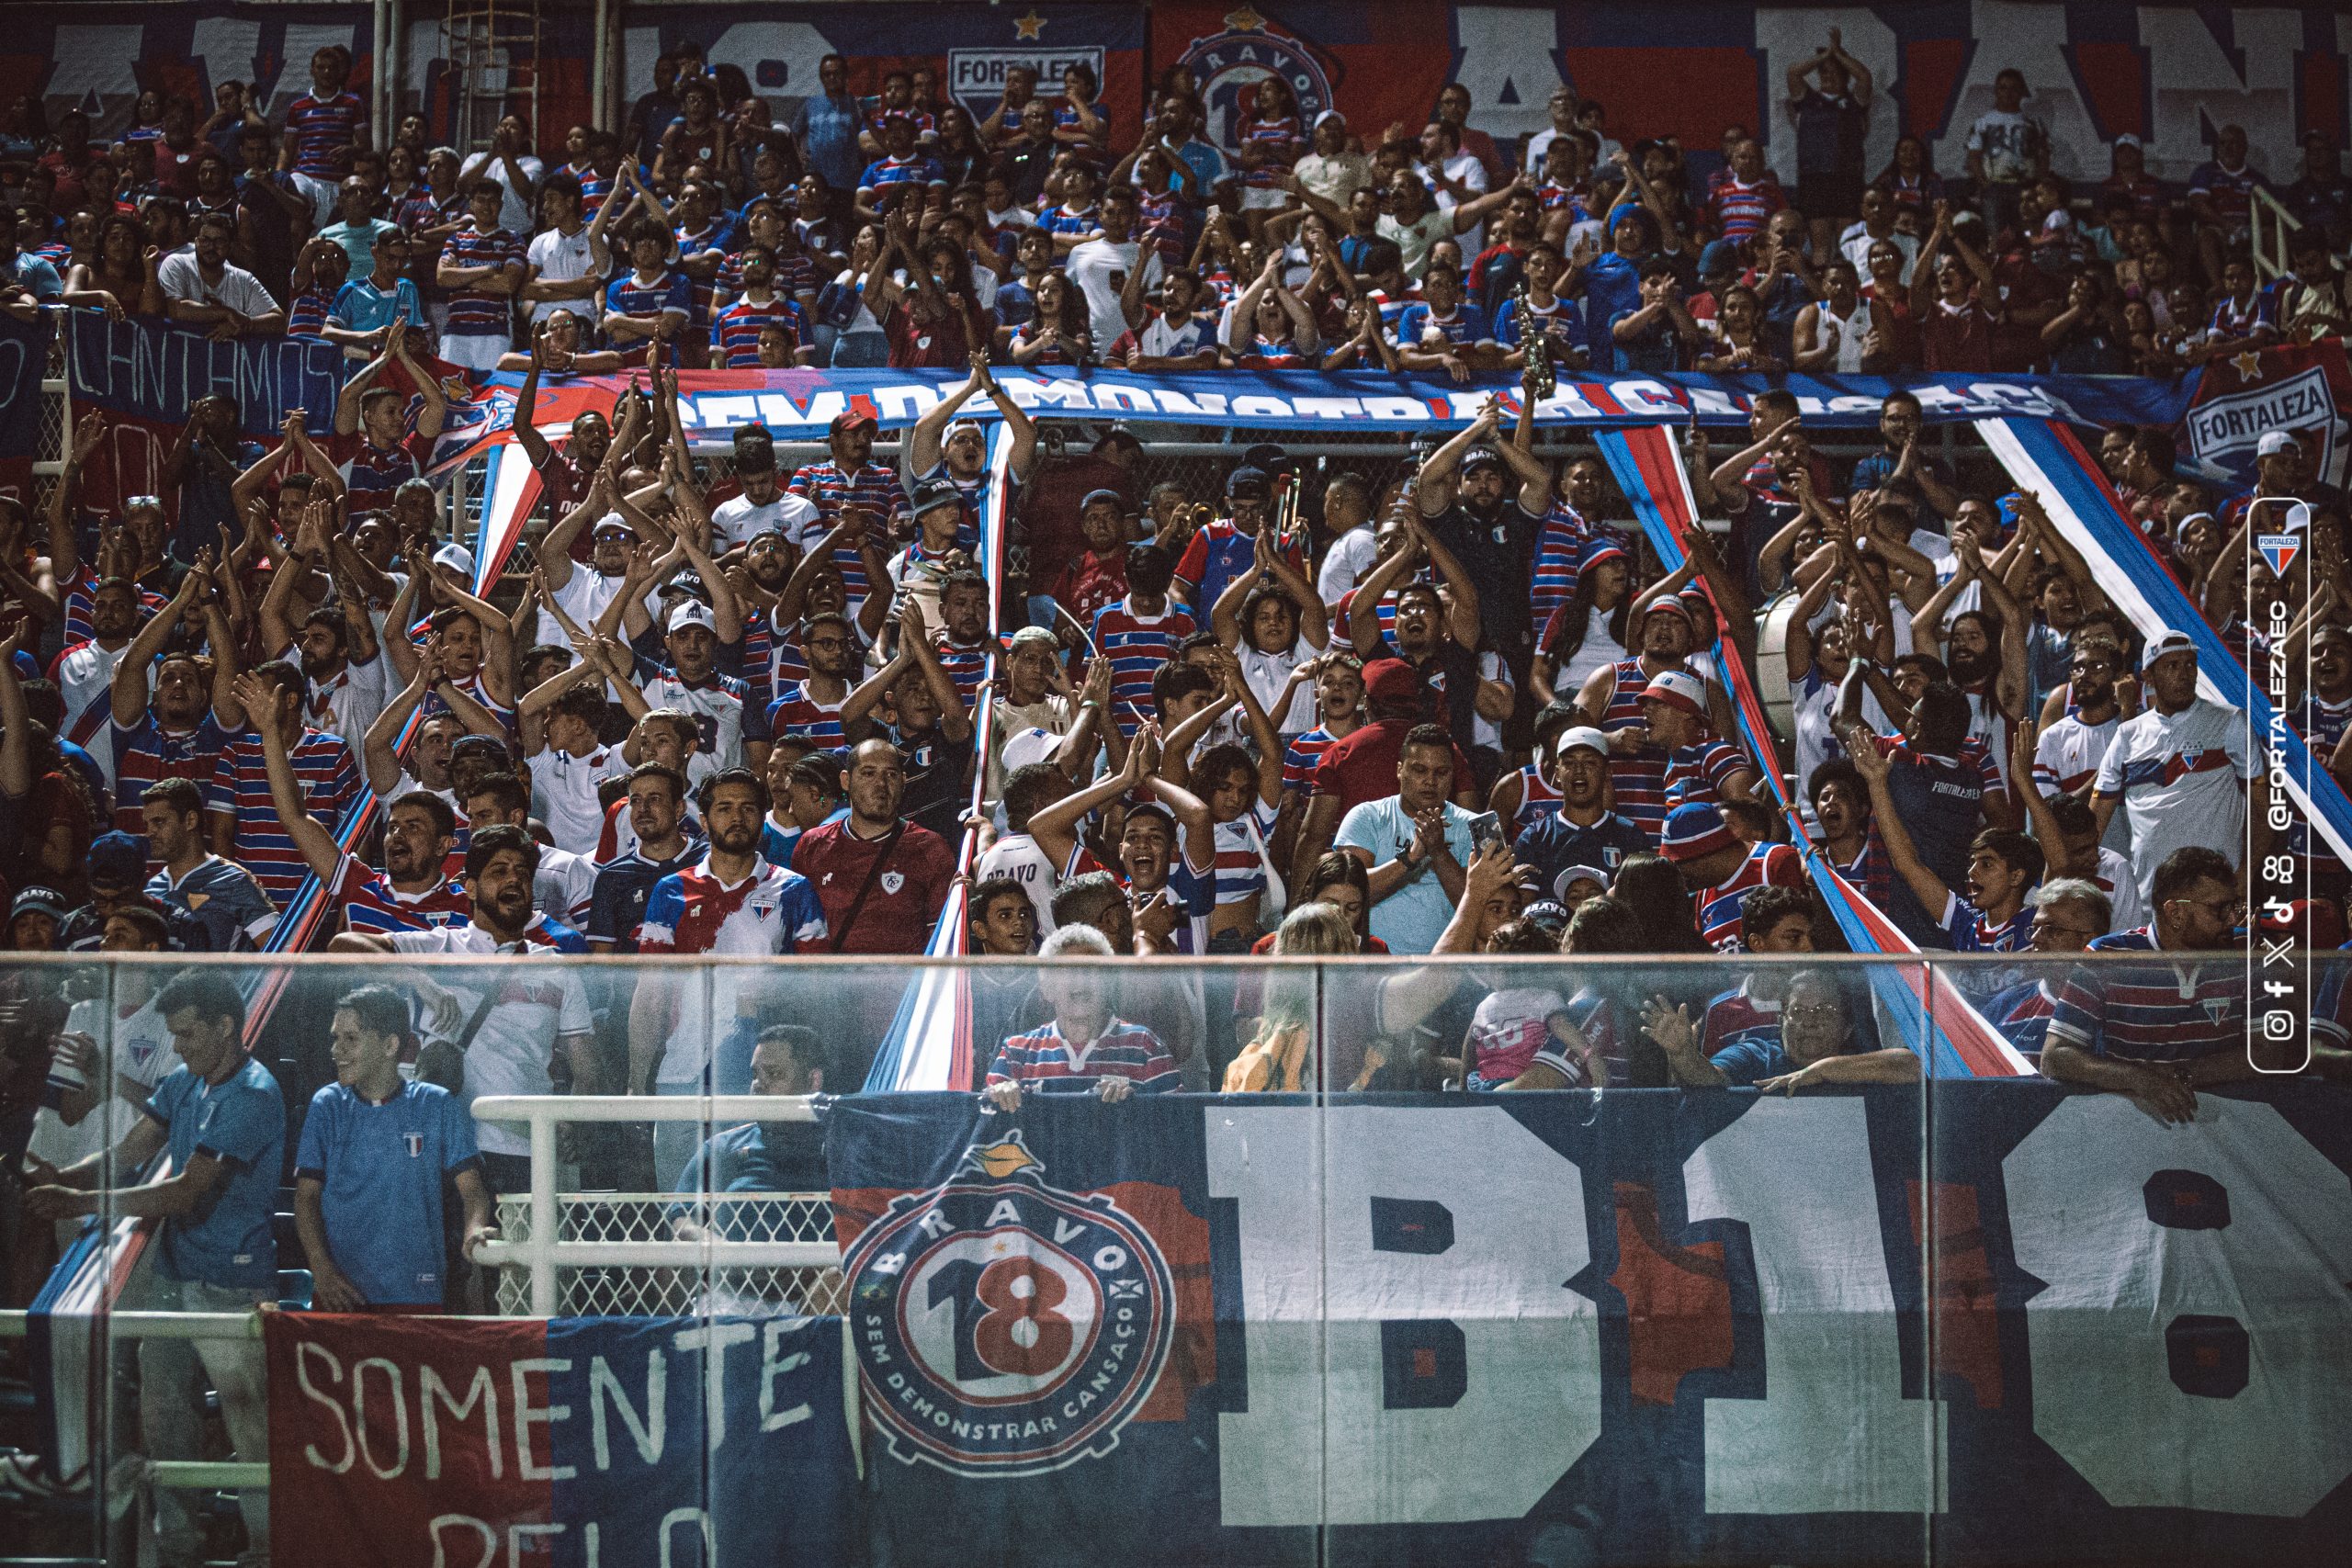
<point>689,582</point>
<point>1023,747</point>
<point>1574,873</point>
<point>1391,681</point>
<point>1118,435</point>
<point>1719,255</point>
<point>2128,140</point>
<point>2274,442</point>
<point>693,612</point>
<point>1246,478</point>
<point>118,860</point>
<point>1482,457</point>
<point>613,523</point>
<point>44,900</point>
<point>2163,644</point>
<point>1271,458</point>
<point>1118,503</point>
<point>1596,553</point>
<point>457,557</point>
<point>1583,735</point>
<point>1547,913</point>
<point>1329,114</point>
<point>1694,831</point>
<point>932,493</point>
<point>755,448</point>
<point>1678,688</point>
<point>850,419</point>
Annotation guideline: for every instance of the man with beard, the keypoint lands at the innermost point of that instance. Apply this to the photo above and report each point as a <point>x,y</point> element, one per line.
<point>342,663</point>
<point>216,897</point>
<point>1583,831</point>
<point>414,890</point>
<point>84,671</point>
<point>507,1023</point>
<point>657,820</point>
<point>1480,515</point>
<point>240,818</point>
<point>734,903</point>
<point>2174,769</point>
<point>1611,703</point>
<point>174,733</point>
<point>762,507</point>
<point>1898,465</point>
<point>882,880</point>
<point>812,708</point>
<point>564,881</point>
<point>2067,755</point>
<point>1985,654</point>
<point>849,477</point>
<point>583,594</point>
<point>942,448</point>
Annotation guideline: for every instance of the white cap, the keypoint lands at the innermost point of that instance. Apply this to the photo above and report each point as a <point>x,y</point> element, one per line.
<point>1023,747</point>
<point>693,612</point>
<point>456,557</point>
<point>2163,644</point>
<point>1678,688</point>
<point>2274,442</point>
<point>1582,735</point>
<point>2127,140</point>
<point>1329,114</point>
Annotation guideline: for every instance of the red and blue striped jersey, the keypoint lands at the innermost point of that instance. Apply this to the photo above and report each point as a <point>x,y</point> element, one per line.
<point>878,114</point>
<point>310,310</point>
<point>1280,135</point>
<point>1766,865</point>
<point>1300,757</point>
<point>794,274</point>
<point>1041,1062</point>
<point>735,330</point>
<point>1595,1017</point>
<point>2161,1011</point>
<point>1219,553</point>
<point>1240,870</point>
<point>667,293</point>
<point>795,713</point>
<point>370,902</point>
<point>328,777</point>
<point>473,312</point>
<point>1970,931</point>
<point>322,129</point>
<point>1695,774</point>
<point>1537,799</point>
<point>370,473</point>
<point>1560,545</point>
<point>830,489</point>
<point>146,754</point>
<point>703,291</point>
<point>1740,211</point>
<point>1136,646</point>
<point>966,664</point>
<point>1737,1017</point>
<point>888,180</point>
<point>593,188</point>
<point>1062,220</point>
<point>2022,1014</point>
<point>1639,780</point>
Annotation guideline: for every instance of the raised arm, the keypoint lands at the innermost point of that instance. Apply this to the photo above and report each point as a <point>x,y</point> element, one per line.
<point>319,850</point>
<point>1925,885</point>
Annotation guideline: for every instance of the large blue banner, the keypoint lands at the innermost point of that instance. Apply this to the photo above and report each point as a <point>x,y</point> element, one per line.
<point>1632,1327</point>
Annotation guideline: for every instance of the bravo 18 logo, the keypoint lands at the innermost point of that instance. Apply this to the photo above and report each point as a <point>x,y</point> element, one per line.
<point>1003,1327</point>
<point>1228,68</point>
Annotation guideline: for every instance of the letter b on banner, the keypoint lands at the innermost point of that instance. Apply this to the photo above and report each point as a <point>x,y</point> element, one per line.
<point>2190,1342</point>
<point>1402,1273</point>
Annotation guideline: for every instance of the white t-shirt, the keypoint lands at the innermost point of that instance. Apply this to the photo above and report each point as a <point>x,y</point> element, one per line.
<point>585,594</point>
<point>1268,673</point>
<point>563,793</point>
<point>738,520</point>
<point>349,703</point>
<point>558,257</point>
<point>2181,777</point>
<point>240,291</point>
<point>518,216</point>
<point>2006,139</point>
<point>1351,556</point>
<point>143,1053</point>
<point>1100,269</point>
<point>84,675</point>
<point>1016,855</point>
<point>538,1004</point>
<point>565,883</point>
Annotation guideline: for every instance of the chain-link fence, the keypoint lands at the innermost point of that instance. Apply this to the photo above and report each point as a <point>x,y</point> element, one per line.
<point>657,1291</point>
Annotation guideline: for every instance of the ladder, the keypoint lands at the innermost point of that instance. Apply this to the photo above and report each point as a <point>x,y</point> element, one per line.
<point>492,49</point>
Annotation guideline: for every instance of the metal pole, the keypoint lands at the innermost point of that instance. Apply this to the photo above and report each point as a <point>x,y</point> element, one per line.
<point>378,72</point>
<point>543,1230</point>
<point>598,83</point>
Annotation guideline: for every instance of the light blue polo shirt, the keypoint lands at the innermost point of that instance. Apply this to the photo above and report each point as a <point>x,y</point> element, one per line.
<point>1411,918</point>
<point>226,1240</point>
<point>380,1168</point>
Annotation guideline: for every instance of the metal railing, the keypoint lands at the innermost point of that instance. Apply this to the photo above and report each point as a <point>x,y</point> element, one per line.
<point>543,1251</point>
<point>2268,224</point>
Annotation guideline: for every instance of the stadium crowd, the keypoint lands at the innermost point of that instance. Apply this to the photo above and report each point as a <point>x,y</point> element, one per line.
<point>736,707</point>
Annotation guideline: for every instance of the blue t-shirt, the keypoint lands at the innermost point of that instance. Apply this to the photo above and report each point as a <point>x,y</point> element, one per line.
<point>364,307</point>
<point>1411,918</point>
<point>39,278</point>
<point>1753,1059</point>
<point>1466,327</point>
<point>226,1239</point>
<point>753,1157</point>
<point>1612,286</point>
<point>380,1168</point>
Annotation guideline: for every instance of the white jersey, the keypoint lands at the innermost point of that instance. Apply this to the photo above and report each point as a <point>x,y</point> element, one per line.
<point>84,677</point>
<point>533,1007</point>
<point>1016,855</point>
<point>563,793</point>
<point>585,594</point>
<point>738,520</point>
<point>2128,910</point>
<point>565,883</point>
<point>143,1053</point>
<point>2182,779</point>
<point>1268,673</point>
<point>348,703</point>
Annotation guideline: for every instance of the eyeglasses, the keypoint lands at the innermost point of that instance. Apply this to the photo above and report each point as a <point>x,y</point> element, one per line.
<point>131,503</point>
<point>2220,908</point>
<point>1819,1013</point>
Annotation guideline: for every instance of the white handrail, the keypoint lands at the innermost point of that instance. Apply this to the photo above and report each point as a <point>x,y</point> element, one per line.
<point>2282,223</point>
<point>543,1254</point>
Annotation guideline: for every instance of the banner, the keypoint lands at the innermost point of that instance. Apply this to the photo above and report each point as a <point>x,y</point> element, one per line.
<point>580,1443</point>
<point>2305,389</point>
<point>66,1339</point>
<point>1632,1327</point>
<point>2167,73</point>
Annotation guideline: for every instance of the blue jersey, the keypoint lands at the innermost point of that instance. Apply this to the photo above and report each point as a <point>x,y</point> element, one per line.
<point>227,1239</point>
<point>224,900</point>
<point>1465,326</point>
<point>380,1166</point>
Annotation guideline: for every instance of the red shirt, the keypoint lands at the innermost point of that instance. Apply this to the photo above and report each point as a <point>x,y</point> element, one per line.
<point>1364,766</point>
<point>906,896</point>
<point>1956,341</point>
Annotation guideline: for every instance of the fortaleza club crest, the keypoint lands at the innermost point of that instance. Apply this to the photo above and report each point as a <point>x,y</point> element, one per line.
<point>1228,68</point>
<point>1004,1328</point>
